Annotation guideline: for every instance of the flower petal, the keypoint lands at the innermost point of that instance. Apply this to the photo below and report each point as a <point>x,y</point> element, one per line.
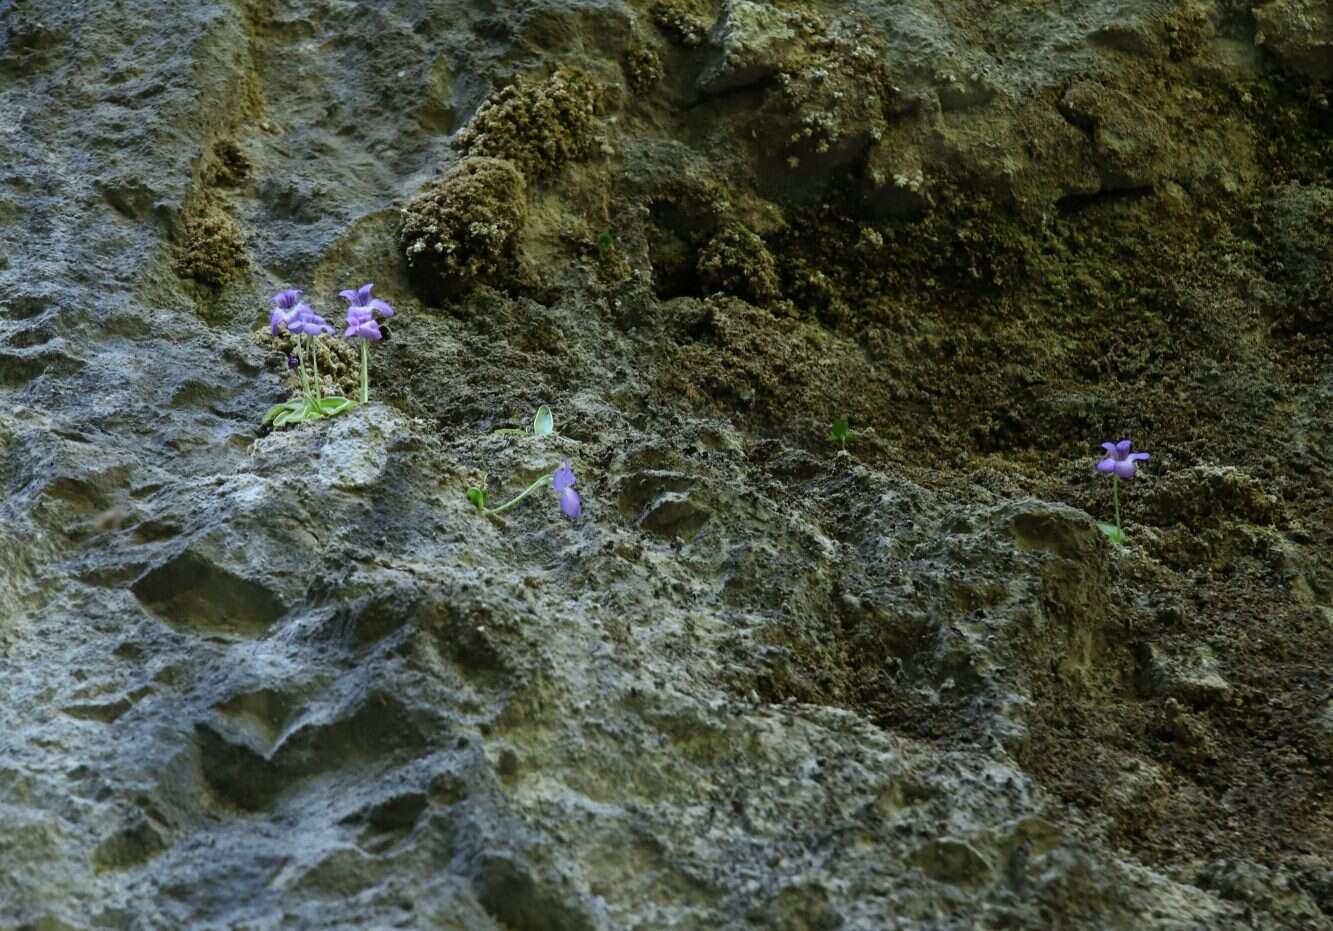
<point>1122,448</point>
<point>1138,457</point>
<point>381,308</point>
<point>1110,449</point>
<point>286,299</point>
<point>1106,465</point>
<point>563,478</point>
<point>1126,469</point>
<point>571,505</point>
<point>363,293</point>
<point>349,296</point>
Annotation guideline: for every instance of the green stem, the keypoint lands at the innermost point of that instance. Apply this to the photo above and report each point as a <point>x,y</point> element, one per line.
<point>314,362</point>
<point>365,372</point>
<point>1115,490</point>
<point>521,495</point>
<point>300,367</point>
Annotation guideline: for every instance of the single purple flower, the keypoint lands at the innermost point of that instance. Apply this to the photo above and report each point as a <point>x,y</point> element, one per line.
<point>1119,460</point>
<point>293,362</point>
<point>360,300</point>
<point>563,480</point>
<point>286,300</point>
<point>362,328</point>
<point>305,320</point>
<point>285,306</point>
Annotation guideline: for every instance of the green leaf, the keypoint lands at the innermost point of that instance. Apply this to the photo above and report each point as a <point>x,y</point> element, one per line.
<point>544,423</point>
<point>275,410</point>
<point>1116,535</point>
<point>840,431</point>
<point>477,497</point>
<point>332,407</point>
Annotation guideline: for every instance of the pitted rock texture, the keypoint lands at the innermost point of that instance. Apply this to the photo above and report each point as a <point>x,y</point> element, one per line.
<point>293,679</point>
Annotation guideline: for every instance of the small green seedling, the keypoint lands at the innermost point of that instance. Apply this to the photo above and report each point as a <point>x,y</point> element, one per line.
<point>543,424</point>
<point>477,494</point>
<point>841,432</point>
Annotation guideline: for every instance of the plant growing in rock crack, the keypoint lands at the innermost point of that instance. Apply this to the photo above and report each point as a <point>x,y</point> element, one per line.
<point>1119,463</point>
<point>562,480</point>
<point>300,321</point>
<point>543,424</point>
<point>841,432</point>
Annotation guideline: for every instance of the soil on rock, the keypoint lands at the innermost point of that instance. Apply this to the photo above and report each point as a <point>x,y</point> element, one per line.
<point>296,680</point>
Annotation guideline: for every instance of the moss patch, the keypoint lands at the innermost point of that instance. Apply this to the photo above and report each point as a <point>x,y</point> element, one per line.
<point>539,126</point>
<point>643,68</point>
<point>737,261</point>
<point>464,227</point>
<point>683,21</point>
<point>229,165</point>
<point>214,248</point>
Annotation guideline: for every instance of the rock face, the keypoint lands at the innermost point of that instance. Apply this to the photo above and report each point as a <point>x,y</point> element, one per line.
<point>294,679</point>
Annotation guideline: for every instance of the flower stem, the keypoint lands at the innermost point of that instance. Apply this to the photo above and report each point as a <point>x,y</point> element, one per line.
<point>300,367</point>
<point>521,495</point>
<point>365,372</point>
<point>1115,490</point>
<point>314,362</point>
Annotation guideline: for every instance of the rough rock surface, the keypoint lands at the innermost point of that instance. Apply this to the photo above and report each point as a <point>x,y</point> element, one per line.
<point>294,680</point>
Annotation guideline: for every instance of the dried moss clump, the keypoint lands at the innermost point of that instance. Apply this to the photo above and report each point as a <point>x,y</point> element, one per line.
<point>339,362</point>
<point>538,126</point>
<point>643,68</point>
<point>682,21</point>
<point>464,226</point>
<point>230,166</point>
<point>737,261</point>
<point>214,246</point>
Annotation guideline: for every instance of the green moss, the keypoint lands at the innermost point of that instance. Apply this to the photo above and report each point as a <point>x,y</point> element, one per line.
<point>643,68</point>
<point>214,248</point>
<point>737,261</point>
<point>229,165</point>
<point>683,21</point>
<point>339,362</point>
<point>539,126</point>
<point>464,227</point>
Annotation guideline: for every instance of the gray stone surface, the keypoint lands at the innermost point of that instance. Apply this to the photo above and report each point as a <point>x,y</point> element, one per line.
<point>295,681</point>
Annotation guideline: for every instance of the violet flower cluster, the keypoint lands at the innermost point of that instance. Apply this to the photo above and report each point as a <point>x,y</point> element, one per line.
<point>299,319</point>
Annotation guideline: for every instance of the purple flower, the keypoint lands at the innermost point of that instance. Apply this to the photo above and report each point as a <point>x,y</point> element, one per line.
<point>362,327</point>
<point>563,480</point>
<point>293,362</point>
<point>1120,460</point>
<point>285,306</point>
<point>286,300</point>
<point>305,320</point>
<point>361,301</point>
